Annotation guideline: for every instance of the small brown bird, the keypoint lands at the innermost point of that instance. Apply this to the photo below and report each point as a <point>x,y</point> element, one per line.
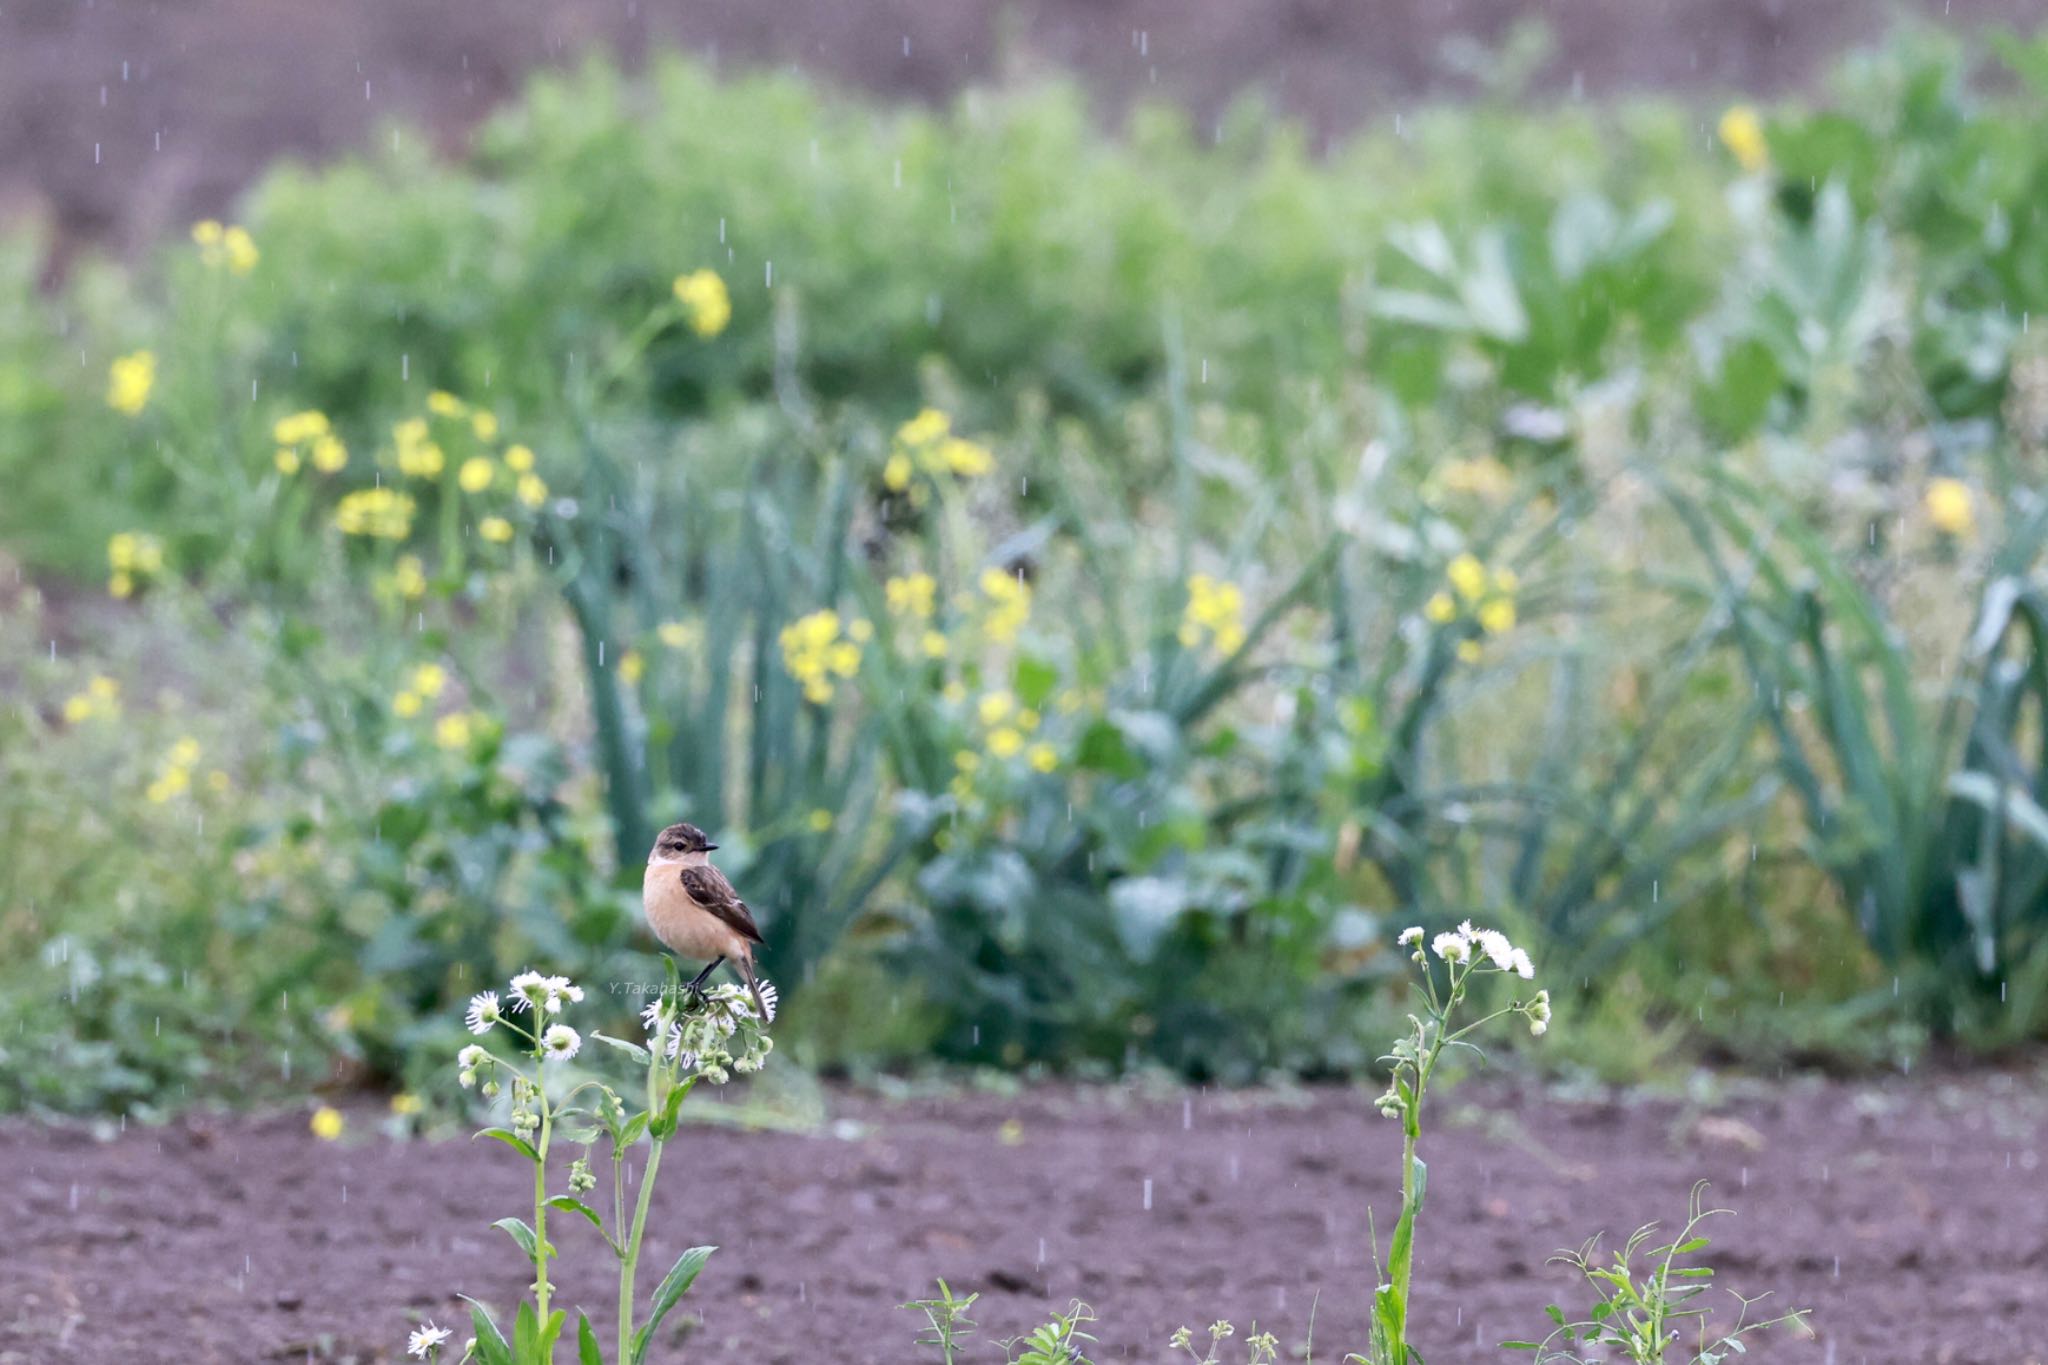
<point>693,909</point>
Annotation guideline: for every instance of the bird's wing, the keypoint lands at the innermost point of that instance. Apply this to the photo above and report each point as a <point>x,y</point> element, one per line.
<point>708,887</point>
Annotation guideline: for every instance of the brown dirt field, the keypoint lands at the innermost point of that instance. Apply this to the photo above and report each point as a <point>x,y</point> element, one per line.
<point>124,119</point>
<point>1910,1215</point>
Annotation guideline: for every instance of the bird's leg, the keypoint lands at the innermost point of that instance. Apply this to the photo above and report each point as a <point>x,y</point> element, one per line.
<point>696,986</point>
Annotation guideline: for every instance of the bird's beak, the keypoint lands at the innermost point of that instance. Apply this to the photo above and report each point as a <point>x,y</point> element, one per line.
<point>709,847</point>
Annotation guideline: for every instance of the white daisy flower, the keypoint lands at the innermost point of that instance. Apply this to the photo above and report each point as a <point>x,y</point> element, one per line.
<point>529,990</point>
<point>558,989</point>
<point>425,1339</point>
<point>1521,965</point>
<point>659,1015</point>
<point>1412,934</point>
<point>483,1012</point>
<point>560,1043</point>
<point>1451,947</point>
<point>1495,945</point>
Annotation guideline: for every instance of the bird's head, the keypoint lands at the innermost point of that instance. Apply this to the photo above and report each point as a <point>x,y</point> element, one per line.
<point>679,841</point>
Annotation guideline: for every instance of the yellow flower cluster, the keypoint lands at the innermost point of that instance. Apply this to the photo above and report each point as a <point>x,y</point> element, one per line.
<point>220,246</point>
<point>815,652</point>
<point>926,442</point>
<point>1742,133</point>
<point>1950,507</point>
<point>418,456</point>
<point>1009,605</point>
<point>1484,477</point>
<point>916,596</point>
<point>382,513</point>
<point>679,634</point>
<point>457,729</point>
<point>129,380</point>
<point>101,697</point>
<point>174,779</point>
<point>133,558</point>
<point>1487,597</point>
<point>632,667</point>
<point>406,582</point>
<point>1007,726</point>
<point>425,684</point>
<point>1215,612</point>
<point>706,304</point>
<point>307,436</point>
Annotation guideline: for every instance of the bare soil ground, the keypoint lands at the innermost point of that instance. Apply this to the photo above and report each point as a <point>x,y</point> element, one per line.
<point>120,119</point>
<point>1910,1215</point>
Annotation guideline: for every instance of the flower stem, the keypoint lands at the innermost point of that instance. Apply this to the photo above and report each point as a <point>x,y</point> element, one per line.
<point>540,1213</point>
<point>629,1263</point>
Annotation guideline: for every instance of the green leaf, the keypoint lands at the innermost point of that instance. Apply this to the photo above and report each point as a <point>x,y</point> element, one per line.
<point>587,1352</point>
<point>517,1230</point>
<point>491,1348</point>
<point>633,1050</point>
<point>512,1140</point>
<point>673,1286</point>
<point>526,1337</point>
<point>1035,679</point>
<point>570,1205</point>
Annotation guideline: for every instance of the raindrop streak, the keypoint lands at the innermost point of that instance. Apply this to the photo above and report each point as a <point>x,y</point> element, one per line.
<point>1148,1195</point>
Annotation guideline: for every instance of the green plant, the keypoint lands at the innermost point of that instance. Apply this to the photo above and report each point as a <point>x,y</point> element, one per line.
<point>1642,1312</point>
<point>1926,814</point>
<point>1261,1348</point>
<point>692,1037</point>
<point>947,1319</point>
<point>1465,953</point>
<point>1058,1342</point>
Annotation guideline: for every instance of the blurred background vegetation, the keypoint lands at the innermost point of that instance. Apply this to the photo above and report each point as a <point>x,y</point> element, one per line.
<point>1096,584</point>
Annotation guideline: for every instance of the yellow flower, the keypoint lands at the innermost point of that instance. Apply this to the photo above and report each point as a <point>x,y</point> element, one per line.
<point>915,594</point>
<point>120,585</point>
<point>77,707</point>
<point>429,679</point>
<point>966,760</point>
<point>133,556</point>
<point>820,821</point>
<point>518,459</point>
<point>896,472</point>
<point>954,692</point>
<point>1027,720</point>
<point>129,380</point>
<point>185,752</point>
<point>1468,576</point>
<point>497,530</point>
<point>330,456</point>
<point>240,250</point>
<point>1468,651</point>
<point>705,301</point>
<point>928,427</point>
<point>287,460</point>
<point>632,667</point>
<point>860,630</point>
<point>206,232</point>
<point>813,651</point>
<point>1043,758</point>
<point>1009,604</point>
<point>1497,615</point>
<point>532,491</point>
<point>995,708</point>
<point>1742,133</point>
<point>326,1123</point>
<point>968,459</point>
<point>1485,477</point>
<point>452,731</point>
<point>676,634</point>
<point>817,690</point>
<point>418,456</point>
<point>1215,608</point>
<point>1440,608</point>
<point>406,1103</point>
<point>475,474</point>
<point>484,423</point>
<point>299,428</point>
<point>218,782</point>
<point>933,643</point>
<point>409,576</point>
<point>170,783</point>
<point>406,705</point>
<point>1004,742</point>
<point>844,658</point>
<point>1950,507</point>
<point>383,513</point>
<point>103,689</point>
<point>445,404</point>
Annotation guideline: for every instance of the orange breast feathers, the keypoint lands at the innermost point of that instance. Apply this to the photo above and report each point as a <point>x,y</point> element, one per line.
<point>678,921</point>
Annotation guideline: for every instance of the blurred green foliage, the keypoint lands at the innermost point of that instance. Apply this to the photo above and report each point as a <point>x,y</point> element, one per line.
<point>1324,542</point>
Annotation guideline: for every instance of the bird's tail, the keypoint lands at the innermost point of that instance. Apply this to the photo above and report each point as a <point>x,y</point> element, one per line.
<point>746,966</point>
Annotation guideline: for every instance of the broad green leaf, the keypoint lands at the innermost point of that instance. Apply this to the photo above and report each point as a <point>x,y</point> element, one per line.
<point>587,1352</point>
<point>512,1140</point>
<point>633,1050</point>
<point>517,1230</point>
<point>491,1347</point>
<point>673,1286</point>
